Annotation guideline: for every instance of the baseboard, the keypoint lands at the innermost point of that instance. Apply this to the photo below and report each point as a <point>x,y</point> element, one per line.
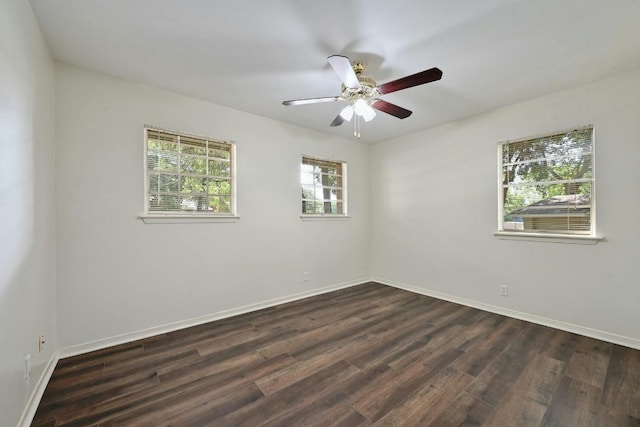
<point>169,327</point>
<point>36,395</point>
<point>557,324</point>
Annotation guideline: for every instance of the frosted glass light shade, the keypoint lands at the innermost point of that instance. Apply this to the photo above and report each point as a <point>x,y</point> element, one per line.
<point>347,113</point>
<point>364,110</point>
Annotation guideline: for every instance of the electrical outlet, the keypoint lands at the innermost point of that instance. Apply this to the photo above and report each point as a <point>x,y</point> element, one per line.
<point>305,276</point>
<point>27,367</point>
<point>504,290</point>
<point>41,343</point>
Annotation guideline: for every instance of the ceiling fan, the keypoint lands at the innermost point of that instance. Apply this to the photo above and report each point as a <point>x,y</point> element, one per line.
<point>362,92</point>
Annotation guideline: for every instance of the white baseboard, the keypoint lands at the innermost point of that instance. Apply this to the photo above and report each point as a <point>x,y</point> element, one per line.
<point>553,323</point>
<point>34,400</point>
<point>169,327</point>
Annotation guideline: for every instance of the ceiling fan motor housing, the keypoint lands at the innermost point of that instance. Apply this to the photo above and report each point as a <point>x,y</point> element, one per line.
<point>367,87</point>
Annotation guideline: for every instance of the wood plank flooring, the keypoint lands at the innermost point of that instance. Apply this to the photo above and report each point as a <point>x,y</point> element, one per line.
<point>369,355</point>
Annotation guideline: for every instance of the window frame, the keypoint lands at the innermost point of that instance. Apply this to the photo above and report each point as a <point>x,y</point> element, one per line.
<point>186,216</point>
<point>343,189</point>
<point>561,236</point>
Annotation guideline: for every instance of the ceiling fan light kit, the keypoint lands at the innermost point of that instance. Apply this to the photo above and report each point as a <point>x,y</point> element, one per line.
<point>362,92</point>
<point>363,109</point>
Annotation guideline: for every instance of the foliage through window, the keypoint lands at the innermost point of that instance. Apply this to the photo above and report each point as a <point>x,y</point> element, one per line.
<point>547,184</point>
<point>188,174</point>
<point>323,187</point>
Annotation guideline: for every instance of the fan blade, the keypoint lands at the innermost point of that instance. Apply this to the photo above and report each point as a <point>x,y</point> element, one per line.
<point>337,121</point>
<point>312,100</point>
<point>389,108</point>
<point>342,66</point>
<point>420,78</point>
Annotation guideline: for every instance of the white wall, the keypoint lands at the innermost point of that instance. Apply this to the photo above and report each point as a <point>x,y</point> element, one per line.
<point>27,214</point>
<point>118,275</point>
<point>435,194</point>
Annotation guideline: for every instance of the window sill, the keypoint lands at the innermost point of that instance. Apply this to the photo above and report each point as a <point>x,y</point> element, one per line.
<point>324,217</point>
<point>550,238</point>
<point>186,219</point>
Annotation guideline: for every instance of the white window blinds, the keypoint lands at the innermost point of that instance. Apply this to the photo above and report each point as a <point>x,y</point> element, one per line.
<point>323,186</point>
<point>547,184</point>
<point>188,174</point>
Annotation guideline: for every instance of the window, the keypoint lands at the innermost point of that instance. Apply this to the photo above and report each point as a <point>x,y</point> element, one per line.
<point>547,184</point>
<point>323,187</point>
<point>187,174</point>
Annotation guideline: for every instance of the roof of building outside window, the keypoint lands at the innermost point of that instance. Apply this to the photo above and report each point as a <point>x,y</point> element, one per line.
<point>567,205</point>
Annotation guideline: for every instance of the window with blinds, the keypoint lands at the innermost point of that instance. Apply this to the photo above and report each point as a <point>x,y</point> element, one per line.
<point>547,184</point>
<point>187,174</point>
<point>323,187</point>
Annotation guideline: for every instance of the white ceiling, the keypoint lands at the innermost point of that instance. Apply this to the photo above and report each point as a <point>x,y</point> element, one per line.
<point>251,55</point>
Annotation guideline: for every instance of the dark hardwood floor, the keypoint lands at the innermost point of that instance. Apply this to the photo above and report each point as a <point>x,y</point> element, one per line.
<point>362,356</point>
